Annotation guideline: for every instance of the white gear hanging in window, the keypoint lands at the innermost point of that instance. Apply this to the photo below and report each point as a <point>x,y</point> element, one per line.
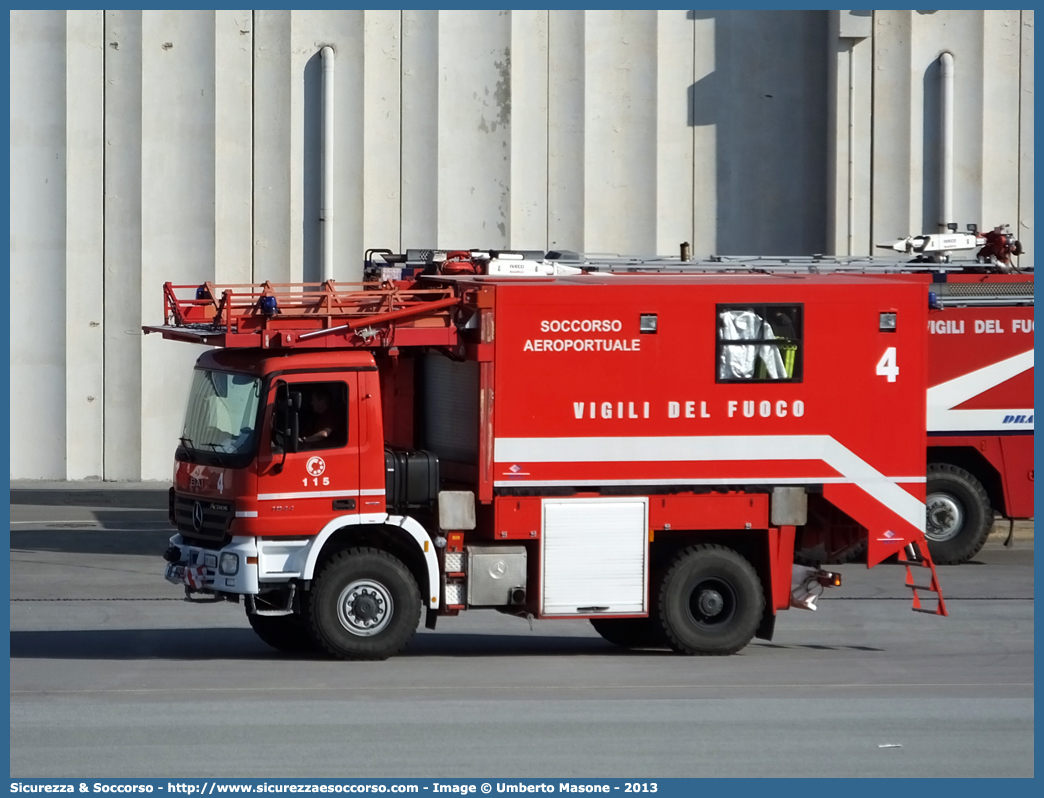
<point>738,362</point>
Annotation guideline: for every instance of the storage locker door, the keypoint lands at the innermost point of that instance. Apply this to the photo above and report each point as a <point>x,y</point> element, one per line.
<point>594,554</point>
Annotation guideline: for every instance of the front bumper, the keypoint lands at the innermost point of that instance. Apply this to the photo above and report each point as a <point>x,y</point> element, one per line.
<point>197,568</point>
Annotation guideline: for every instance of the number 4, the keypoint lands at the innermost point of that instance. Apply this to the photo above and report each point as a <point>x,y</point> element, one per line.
<point>886,366</point>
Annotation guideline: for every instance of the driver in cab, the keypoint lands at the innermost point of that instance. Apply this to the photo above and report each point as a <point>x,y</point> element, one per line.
<point>323,426</point>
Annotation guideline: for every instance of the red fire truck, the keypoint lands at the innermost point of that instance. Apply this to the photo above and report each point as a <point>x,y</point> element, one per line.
<point>648,451</point>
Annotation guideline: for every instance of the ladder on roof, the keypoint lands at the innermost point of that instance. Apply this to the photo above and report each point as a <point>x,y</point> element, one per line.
<point>711,264</point>
<point>315,315</point>
<point>991,288</point>
<point>959,282</point>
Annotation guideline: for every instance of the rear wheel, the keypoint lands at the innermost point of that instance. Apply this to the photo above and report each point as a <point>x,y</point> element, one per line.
<point>959,514</point>
<point>711,601</point>
<point>287,633</point>
<point>365,604</point>
<point>630,632</point>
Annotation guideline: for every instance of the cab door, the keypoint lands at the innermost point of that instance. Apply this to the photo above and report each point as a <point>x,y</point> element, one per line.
<point>299,492</point>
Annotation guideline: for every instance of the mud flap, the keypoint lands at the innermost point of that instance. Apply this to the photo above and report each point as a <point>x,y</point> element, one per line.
<point>767,626</point>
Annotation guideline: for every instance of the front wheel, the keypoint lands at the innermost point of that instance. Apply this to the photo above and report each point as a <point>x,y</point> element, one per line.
<point>365,605</point>
<point>959,514</point>
<point>711,601</point>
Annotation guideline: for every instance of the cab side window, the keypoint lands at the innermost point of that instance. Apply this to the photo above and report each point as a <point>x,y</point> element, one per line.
<point>324,415</point>
<point>759,343</point>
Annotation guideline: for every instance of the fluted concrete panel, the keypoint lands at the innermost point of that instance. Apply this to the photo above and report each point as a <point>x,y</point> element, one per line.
<point>528,140</point>
<point>961,34</point>
<point>894,192</point>
<point>850,132</point>
<point>233,134</point>
<point>85,244</point>
<point>420,129</point>
<point>38,239</point>
<point>766,99</point>
<point>382,127</point>
<point>178,156</point>
<point>342,31</point>
<point>620,99</point>
<point>565,130</point>
<point>1025,225</point>
<point>474,142</point>
<point>704,139</point>
<point>674,143</point>
<point>123,248</point>
<point>1001,33</point>
<point>349,143</point>
<point>272,122</point>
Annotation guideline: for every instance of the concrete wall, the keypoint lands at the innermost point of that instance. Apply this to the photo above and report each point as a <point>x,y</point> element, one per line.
<point>185,146</point>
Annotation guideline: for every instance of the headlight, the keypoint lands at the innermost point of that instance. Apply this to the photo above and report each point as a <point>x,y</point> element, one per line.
<point>229,564</point>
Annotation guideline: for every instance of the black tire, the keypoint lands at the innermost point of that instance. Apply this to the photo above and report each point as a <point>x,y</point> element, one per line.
<point>365,605</point>
<point>287,633</point>
<point>711,601</point>
<point>959,514</point>
<point>630,632</point>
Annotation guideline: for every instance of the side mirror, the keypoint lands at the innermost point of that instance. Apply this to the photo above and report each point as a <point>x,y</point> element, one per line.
<point>286,422</point>
<point>294,422</point>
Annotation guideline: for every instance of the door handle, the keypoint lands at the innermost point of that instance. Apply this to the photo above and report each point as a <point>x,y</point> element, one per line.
<point>344,504</point>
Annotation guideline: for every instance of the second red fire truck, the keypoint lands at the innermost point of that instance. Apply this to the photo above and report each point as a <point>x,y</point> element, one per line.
<point>980,385</point>
<point>664,454</point>
<point>980,410</point>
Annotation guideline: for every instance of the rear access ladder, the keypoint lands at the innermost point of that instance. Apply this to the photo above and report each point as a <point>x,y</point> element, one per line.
<point>912,557</point>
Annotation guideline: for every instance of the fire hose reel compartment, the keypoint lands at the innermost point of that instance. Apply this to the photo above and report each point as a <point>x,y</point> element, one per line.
<point>496,575</point>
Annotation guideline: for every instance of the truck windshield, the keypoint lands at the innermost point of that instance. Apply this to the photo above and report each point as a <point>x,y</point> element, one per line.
<point>222,413</point>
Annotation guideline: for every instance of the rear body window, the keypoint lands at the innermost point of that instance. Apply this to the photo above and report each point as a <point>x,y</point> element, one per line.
<point>760,343</point>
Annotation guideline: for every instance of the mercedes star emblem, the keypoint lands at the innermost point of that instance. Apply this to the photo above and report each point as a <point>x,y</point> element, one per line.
<point>197,516</point>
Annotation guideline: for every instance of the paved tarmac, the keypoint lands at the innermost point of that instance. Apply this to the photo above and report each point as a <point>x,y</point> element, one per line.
<point>112,674</point>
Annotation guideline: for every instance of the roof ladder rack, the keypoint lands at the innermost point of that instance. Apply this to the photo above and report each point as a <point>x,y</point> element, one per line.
<point>317,315</point>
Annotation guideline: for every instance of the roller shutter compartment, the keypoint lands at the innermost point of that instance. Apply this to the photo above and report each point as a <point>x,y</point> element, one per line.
<point>594,556</point>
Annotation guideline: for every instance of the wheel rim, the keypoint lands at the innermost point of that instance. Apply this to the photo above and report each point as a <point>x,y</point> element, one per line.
<point>945,517</point>
<point>365,607</point>
<point>712,603</point>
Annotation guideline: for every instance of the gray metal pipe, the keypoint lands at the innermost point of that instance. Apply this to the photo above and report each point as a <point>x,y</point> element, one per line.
<point>851,150</point>
<point>326,209</point>
<point>945,140</point>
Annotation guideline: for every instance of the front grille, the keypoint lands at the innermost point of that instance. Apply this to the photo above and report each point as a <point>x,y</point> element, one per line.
<point>216,516</point>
